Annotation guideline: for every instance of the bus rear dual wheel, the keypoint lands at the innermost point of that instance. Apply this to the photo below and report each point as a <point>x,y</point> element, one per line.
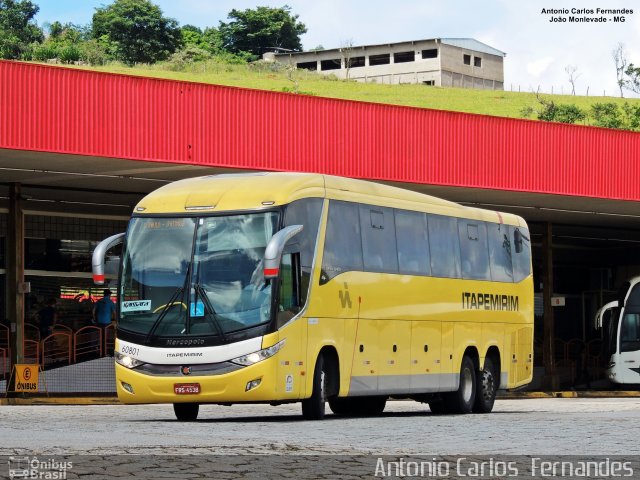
<point>476,392</point>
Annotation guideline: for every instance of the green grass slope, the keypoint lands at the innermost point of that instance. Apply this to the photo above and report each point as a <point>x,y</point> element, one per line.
<point>263,77</point>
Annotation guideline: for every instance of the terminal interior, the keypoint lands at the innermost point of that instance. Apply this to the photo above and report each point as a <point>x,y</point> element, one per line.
<point>71,202</point>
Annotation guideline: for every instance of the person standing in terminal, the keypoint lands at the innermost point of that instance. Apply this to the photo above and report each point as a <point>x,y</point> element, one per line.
<point>104,312</point>
<point>48,317</point>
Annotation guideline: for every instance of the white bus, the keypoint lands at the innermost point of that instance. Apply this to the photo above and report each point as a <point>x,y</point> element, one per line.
<point>620,321</point>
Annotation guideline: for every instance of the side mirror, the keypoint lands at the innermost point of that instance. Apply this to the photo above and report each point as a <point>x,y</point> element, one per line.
<point>273,252</point>
<point>97,261</point>
<point>600,313</point>
<point>517,240</point>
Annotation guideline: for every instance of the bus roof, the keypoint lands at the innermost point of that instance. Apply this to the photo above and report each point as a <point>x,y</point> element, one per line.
<point>259,190</point>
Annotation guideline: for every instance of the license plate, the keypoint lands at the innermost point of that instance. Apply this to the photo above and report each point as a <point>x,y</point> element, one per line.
<point>186,388</point>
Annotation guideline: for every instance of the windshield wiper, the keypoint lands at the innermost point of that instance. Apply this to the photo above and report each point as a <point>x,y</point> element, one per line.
<point>170,303</point>
<point>207,304</point>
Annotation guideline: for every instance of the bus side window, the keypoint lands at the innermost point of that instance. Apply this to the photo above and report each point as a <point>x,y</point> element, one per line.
<point>289,297</point>
<point>444,246</point>
<point>378,239</point>
<point>474,254</point>
<point>413,243</point>
<point>500,255</point>
<point>521,252</point>
<point>307,212</point>
<point>342,246</point>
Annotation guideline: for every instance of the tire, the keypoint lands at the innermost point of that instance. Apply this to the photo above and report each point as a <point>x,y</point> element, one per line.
<point>186,412</point>
<point>486,388</point>
<point>463,399</point>
<point>313,407</point>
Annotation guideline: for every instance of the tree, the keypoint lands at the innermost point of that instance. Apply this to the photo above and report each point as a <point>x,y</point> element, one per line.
<point>137,31</point>
<point>346,50</point>
<point>17,28</point>
<point>610,115</point>
<point>620,60</point>
<point>632,82</point>
<point>550,111</point>
<point>257,31</point>
<point>572,72</point>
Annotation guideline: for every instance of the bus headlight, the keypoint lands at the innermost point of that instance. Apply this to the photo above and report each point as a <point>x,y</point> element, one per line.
<point>126,360</point>
<point>258,356</point>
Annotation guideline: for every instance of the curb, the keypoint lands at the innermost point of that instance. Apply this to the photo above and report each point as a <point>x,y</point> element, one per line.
<point>60,401</point>
<point>500,396</point>
<point>570,394</point>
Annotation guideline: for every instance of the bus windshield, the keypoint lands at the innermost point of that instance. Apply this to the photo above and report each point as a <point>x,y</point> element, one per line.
<point>195,276</point>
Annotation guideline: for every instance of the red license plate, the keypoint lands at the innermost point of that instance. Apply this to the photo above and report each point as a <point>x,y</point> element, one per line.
<point>186,388</point>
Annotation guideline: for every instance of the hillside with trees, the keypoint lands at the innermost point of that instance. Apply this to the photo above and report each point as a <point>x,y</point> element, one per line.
<point>135,37</point>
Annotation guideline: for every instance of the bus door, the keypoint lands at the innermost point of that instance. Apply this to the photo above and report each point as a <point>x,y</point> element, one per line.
<point>291,377</point>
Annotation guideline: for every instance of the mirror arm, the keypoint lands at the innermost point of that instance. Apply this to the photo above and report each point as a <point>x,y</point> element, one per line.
<point>97,261</point>
<point>273,252</point>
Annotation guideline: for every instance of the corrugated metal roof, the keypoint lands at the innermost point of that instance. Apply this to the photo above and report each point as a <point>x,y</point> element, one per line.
<point>473,44</point>
<point>72,111</point>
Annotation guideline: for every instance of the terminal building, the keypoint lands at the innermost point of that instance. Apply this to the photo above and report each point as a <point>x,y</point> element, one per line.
<point>443,62</point>
<point>78,149</point>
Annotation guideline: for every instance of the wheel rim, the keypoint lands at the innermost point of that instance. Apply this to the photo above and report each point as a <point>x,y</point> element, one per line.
<point>487,386</point>
<point>467,385</point>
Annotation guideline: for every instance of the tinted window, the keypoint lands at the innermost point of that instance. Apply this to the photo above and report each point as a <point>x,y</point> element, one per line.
<point>499,236</point>
<point>304,212</point>
<point>521,252</point>
<point>630,332</point>
<point>633,300</point>
<point>474,252</point>
<point>378,239</point>
<point>413,243</point>
<point>343,247</point>
<point>444,246</point>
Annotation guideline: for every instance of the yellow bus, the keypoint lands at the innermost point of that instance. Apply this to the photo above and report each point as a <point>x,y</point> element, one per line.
<point>290,287</point>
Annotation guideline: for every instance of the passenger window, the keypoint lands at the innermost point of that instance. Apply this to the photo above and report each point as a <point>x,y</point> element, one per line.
<point>343,246</point>
<point>289,303</point>
<point>305,212</point>
<point>474,252</point>
<point>444,246</point>
<point>521,252</point>
<point>413,243</point>
<point>378,239</point>
<point>500,252</point>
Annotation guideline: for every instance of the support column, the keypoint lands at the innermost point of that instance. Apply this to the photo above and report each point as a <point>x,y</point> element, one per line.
<point>550,378</point>
<point>15,273</point>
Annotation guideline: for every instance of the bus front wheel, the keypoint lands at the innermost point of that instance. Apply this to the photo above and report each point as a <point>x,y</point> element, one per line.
<point>463,399</point>
<point>186,412</point>
<point>313,407</point>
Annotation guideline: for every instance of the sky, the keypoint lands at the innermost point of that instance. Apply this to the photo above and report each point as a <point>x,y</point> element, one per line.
<point>538,51</point>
